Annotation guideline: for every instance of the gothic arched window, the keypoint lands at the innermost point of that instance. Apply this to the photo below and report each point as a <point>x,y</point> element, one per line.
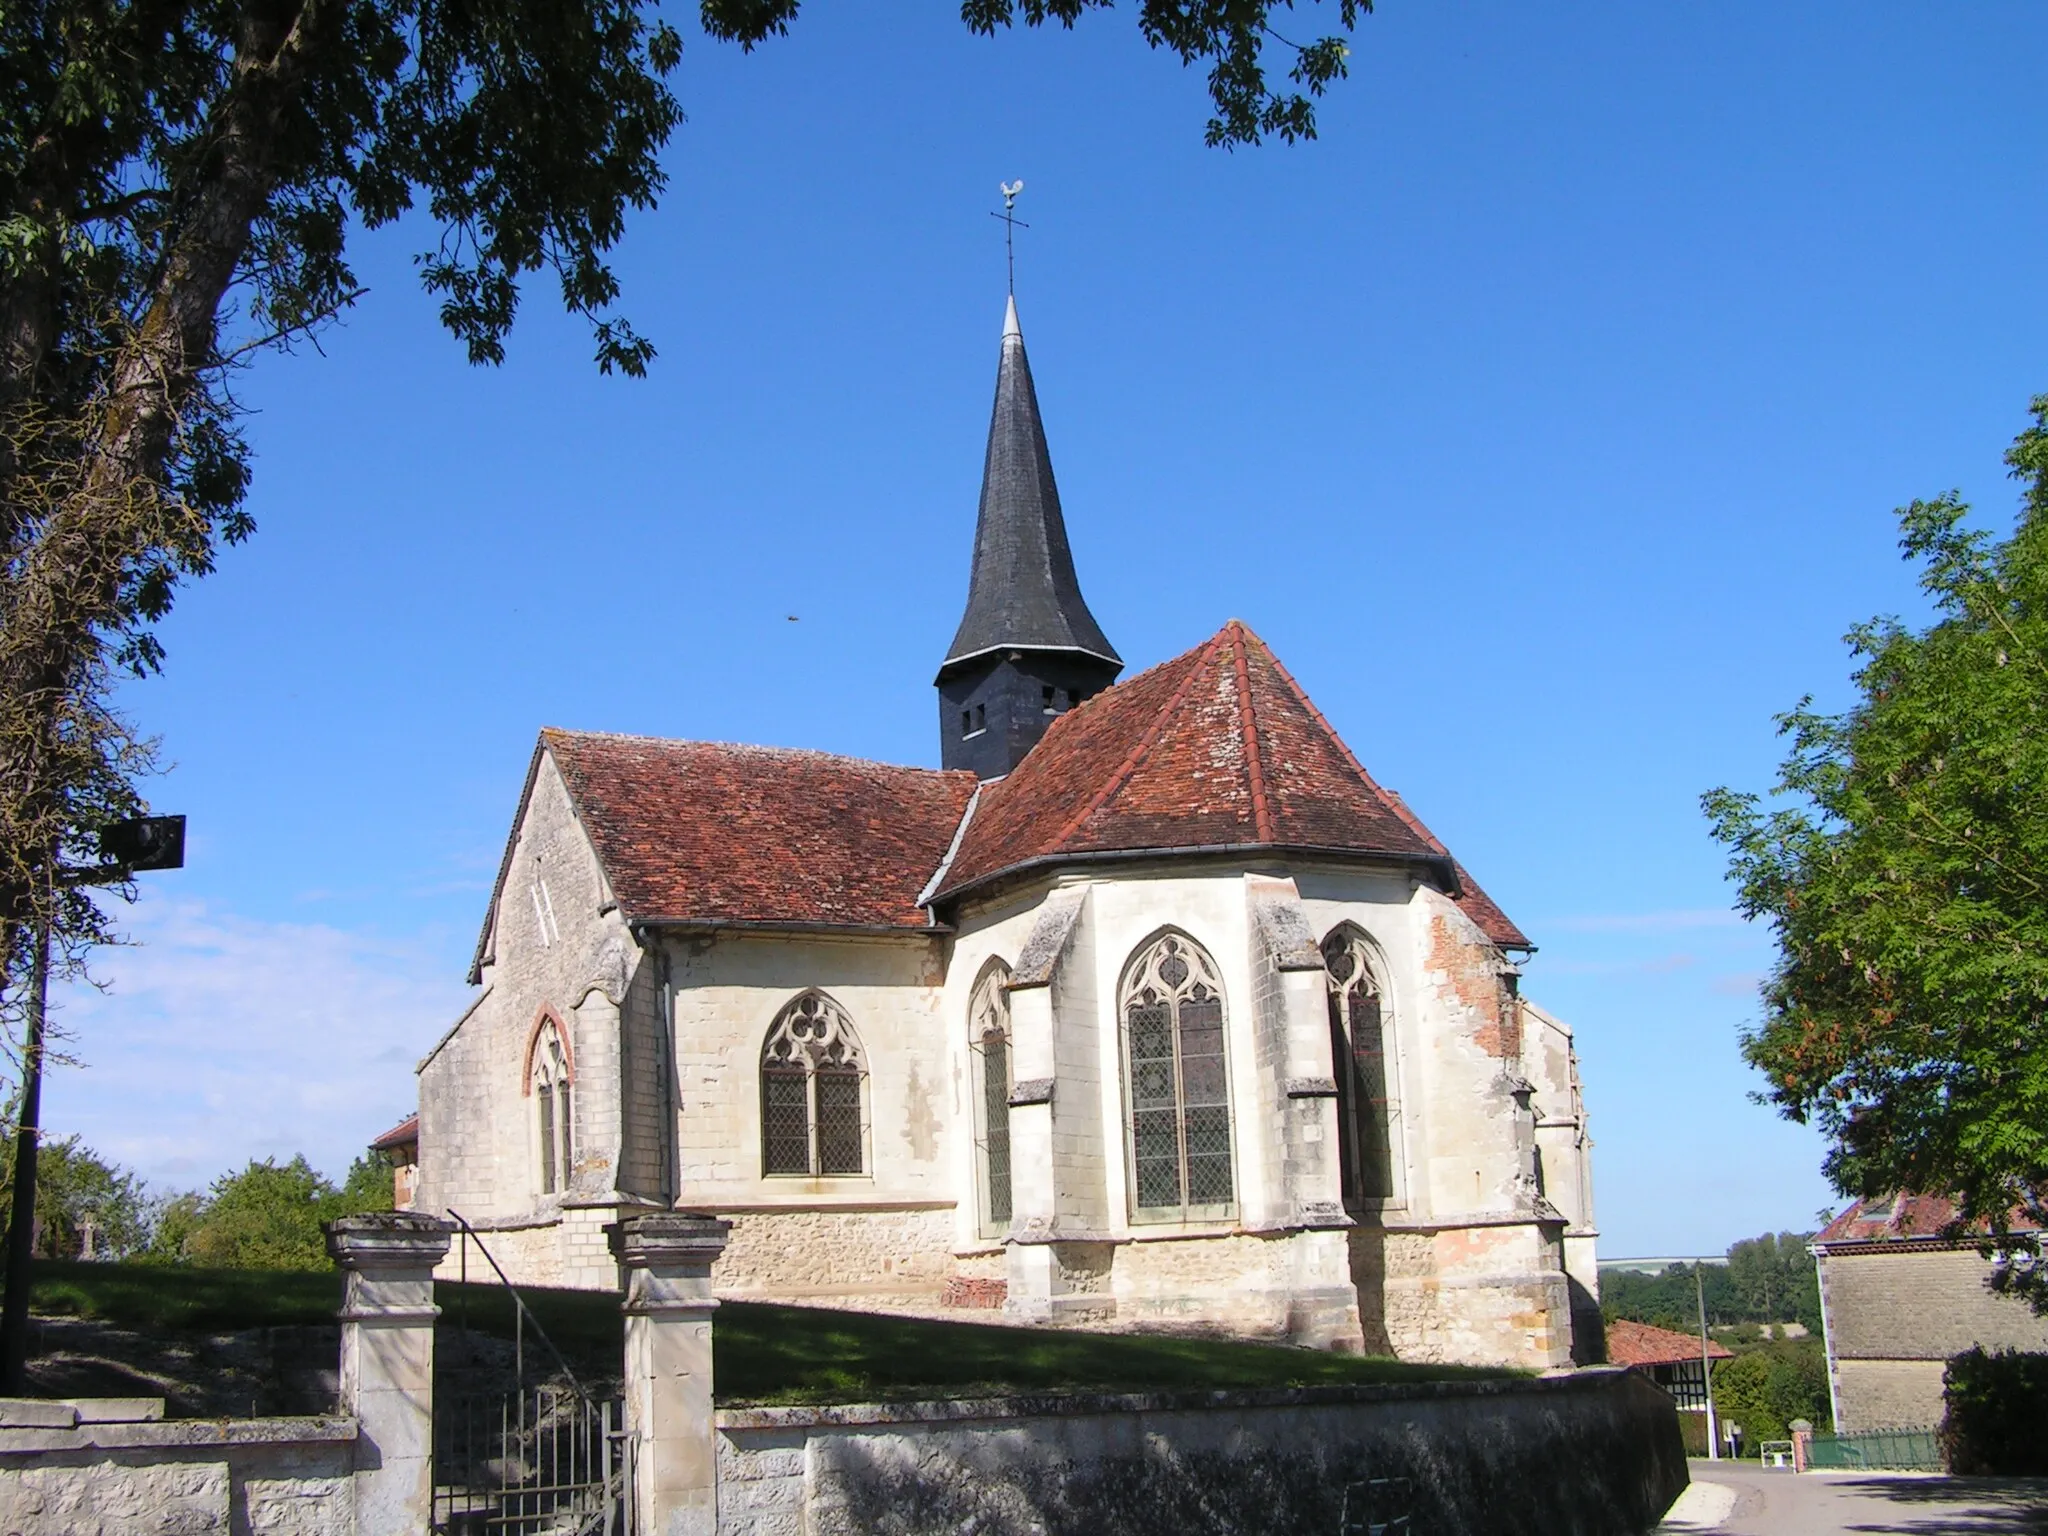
<point>1359,1057</point>
<point>548,1082</point>
<point>1171,1004</point>
<point>811,1072</point>
<point>988,1044</point>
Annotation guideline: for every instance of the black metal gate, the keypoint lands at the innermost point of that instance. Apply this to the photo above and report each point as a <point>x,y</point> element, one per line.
<point>538,1462</point>
<point>541,1460</point>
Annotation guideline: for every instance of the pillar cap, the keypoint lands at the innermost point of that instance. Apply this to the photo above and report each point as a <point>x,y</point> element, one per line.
<point>388,1239</point>
<point>667,1237</point>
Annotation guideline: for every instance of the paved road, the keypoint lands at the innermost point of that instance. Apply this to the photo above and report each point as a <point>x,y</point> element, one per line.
<point>1748,1501</point>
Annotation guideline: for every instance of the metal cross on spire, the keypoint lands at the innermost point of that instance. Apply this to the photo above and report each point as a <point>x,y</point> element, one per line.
<point>1011,224</point>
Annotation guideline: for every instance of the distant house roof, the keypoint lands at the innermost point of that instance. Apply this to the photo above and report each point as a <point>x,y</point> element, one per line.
<point>1218,748</point>
<point>1640,1344</point>
<point>1893,1218</point>
<point>404,1134</point>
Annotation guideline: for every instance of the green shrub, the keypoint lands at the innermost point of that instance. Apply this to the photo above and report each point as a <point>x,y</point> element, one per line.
<point>1996,1422</point>
<point>1764,1389</point>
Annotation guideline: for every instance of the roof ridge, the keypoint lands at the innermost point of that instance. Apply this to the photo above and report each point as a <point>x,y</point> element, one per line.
<point>1391,798</point>
<point>1136,756</point>
<point>1248,720</point>
<point>556,732</point>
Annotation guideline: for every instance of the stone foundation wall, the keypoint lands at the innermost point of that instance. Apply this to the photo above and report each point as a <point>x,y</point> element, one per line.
<point>566,1252</point>
<point>820,1253</point>
<point>1492,1295</point>
<point>206,1477</point>
<point>1593,1454</point>
<point>1281,1285</point>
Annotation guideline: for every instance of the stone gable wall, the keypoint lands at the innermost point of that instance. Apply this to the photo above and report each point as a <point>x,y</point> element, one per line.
<point>479,1149</point>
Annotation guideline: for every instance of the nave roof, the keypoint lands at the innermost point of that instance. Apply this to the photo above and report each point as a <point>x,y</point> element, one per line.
<point>1218,750</point>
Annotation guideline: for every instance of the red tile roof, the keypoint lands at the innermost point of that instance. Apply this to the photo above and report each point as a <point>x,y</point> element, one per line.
<point>698,831</point>
<point>694,831</point>
<point>1903,1216</point>
<point>1640,1344</point>
<point>1218,748</point>
<point>404,1134</point>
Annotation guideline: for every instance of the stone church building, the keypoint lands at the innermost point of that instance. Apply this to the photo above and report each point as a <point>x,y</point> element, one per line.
<point>1150,1006</point>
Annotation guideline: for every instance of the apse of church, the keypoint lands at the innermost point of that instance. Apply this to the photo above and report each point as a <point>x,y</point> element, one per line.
<point>1148,1007</point>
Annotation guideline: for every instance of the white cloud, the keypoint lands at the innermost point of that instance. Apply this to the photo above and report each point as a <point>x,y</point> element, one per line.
<point>220,1038</point>
<point>1684,921</point>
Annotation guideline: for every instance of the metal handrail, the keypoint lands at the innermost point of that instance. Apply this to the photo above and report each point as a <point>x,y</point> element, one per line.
<point>524,1312</point>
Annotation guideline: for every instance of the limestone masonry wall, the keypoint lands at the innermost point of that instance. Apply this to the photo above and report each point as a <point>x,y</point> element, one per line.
<point>214,1477</point>
<point>904,1254</point>
<point>1594,1454</point>
<point>1895,1316</point>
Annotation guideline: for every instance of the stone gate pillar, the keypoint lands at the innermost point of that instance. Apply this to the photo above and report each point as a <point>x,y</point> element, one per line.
<point>387,1361</point>
<point>665,1263</point>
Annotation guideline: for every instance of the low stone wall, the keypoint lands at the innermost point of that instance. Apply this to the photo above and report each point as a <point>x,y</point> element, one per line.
<point>1595,1453</point>
<point>69,1469</point>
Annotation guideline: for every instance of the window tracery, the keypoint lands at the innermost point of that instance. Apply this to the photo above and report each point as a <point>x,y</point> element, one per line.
<point>988,1038</point>
<point>1171,1004</point>
<point>1359,1056</point>
<point>811,1096</point>
<point>554,1108</point>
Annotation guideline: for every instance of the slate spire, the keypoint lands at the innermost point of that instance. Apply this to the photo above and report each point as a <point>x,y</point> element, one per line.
<point>1027,648</point>
<point>1023,591</point>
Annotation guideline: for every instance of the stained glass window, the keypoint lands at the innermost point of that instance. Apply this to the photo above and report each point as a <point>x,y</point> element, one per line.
<point>812,1102</point>
<point>1358,1057</point>
<point>1178,1081</point>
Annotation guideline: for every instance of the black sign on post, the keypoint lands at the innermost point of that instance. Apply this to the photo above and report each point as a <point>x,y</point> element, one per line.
<point>145,842</point>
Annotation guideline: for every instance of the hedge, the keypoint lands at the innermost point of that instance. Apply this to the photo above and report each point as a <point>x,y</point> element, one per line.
<point>1996,1422</point>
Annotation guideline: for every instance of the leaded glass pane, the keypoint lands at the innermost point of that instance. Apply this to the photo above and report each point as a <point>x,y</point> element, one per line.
<point>1205,1099</point>
<point>1155,1155</point>
<point>995,1080</point>
<point>1179,1087</point>
<point>546,1096</point>
<point>568,1134</point>
<point>785,1121</point>
<point>1368,1053</point>
<point>1358,1055</point>
<point>839,1138</point>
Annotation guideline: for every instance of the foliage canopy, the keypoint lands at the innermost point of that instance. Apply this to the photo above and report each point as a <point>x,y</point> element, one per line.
<point>268,1216</point>
<point>1767,1279</point>
<point>179,183</point>
<point>1905,878</point>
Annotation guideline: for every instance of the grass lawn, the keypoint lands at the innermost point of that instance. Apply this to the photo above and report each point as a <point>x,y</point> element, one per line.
<point>765,1354</point>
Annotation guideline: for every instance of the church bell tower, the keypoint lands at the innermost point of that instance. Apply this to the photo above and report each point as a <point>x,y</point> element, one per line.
<point>1028,649</point>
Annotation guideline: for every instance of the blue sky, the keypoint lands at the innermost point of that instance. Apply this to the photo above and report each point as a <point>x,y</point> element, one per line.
<point>1546,417</point>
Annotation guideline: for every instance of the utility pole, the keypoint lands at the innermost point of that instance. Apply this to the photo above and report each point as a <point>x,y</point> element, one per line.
<point>1706,1365</point>
<point>146,842</point>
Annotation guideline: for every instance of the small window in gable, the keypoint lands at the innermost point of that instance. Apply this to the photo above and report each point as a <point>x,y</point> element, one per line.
<point>554,1110</point>
<point>813,1119</point>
